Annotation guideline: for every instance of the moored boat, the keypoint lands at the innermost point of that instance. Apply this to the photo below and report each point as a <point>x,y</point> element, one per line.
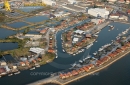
<point>10,74</point>
<point>32,68</point>
<point>18,72</point>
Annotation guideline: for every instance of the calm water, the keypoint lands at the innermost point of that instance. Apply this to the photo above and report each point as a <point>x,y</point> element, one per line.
<point>36,19</point>
<point>17,24</point>
<point>30,8</point>
<point>8,46</point>
<point>116,74</point>
<point>5,33</point>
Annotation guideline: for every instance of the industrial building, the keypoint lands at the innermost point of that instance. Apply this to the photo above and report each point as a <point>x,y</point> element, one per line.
<point>37,50</point>
<point>98,12</point>
<point>49,2</point>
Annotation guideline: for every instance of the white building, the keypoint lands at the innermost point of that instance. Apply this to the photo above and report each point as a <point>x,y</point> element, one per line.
<point>75,40</point>
<point>114,16</point>
<point>111,1</point>
<point>61,14</point>
<point>98,12</point>
<point>49,2</point>
<point>37,50</point>
<point>72,1</point>
<point>3,63</point>
<point>79,32</point>
<point>97,21</point>
<point>33,36</point>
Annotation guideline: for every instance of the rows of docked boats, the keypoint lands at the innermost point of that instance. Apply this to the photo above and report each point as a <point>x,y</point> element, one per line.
<point>124,32</point>
<point>88,46</point>
<point>36,65</point>
<point>81,50</point>
<point>105,46</point>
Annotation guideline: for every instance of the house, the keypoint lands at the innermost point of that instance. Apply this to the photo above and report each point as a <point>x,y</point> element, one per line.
<point>44,31</point>
<point>3,63</point>
<point>22,63</point>
<point>114,16</point>
<point>128,11</point>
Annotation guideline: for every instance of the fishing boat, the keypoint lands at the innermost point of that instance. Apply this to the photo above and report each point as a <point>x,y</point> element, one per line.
<point>18,72</point>
<point>32,68</point>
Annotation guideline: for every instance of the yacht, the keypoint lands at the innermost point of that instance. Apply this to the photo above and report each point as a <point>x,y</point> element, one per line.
<point>89,46</point>
<point>32,68</point>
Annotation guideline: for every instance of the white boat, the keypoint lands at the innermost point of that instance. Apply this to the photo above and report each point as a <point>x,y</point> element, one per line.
<point>95,53</point>
<point>89,46</point>
<point>10,74</point>
<point>18,72</point>
<point>74,54</point>
<point>73,65</point>
<point>96,35</point>
<point>32,68</point>
<point>96,32</point>
<point>37,65</point>
<point>80,61</point>
<point>56,56</point>
<point>63,50</point>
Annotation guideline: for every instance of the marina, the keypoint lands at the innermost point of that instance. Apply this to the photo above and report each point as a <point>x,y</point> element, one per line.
<point>72,57</point>
<point>78,65</point>
<point>104,62</point>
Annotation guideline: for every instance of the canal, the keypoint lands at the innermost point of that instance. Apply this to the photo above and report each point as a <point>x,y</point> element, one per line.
<point>118,72</point>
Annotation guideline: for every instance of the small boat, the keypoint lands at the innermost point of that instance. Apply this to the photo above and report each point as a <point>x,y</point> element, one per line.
<point>56,56</point>
<point>73,65</point>
<point>63,50</point>
<point>32,68</point>
<point>10,74</point>
<point>80,61</point>
<point>96,35</point>
<point>17,72</point>
<point>74,54</point>
<point>95,53</point>
<point>37,65</point>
